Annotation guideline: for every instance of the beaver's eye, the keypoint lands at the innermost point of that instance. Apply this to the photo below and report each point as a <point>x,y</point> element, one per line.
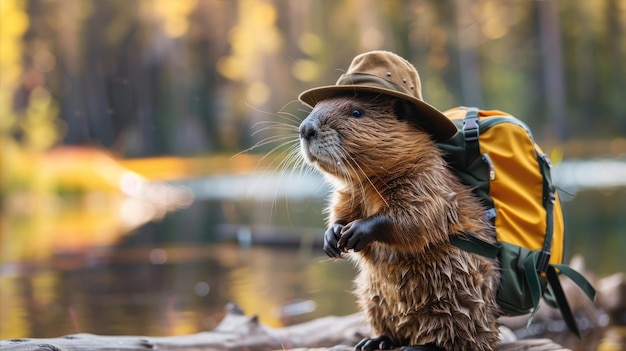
<point>356,113</point>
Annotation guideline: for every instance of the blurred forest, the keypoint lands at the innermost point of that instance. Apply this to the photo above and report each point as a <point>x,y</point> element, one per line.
<point>187,77</point>
<point>114,113</point>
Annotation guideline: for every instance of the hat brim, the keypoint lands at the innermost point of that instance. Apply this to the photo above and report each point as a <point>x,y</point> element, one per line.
<point>442,128</point>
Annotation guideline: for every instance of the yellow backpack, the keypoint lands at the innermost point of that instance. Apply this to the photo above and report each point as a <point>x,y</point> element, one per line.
<point>495,154</point>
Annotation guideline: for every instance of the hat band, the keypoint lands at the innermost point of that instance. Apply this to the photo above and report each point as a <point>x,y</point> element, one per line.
<point>371,81</point>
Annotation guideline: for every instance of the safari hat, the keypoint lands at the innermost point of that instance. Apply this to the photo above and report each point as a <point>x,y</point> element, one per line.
<point>386,73</point>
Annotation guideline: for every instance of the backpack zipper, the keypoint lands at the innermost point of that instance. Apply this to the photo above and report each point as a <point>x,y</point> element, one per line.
<point>492,169</point>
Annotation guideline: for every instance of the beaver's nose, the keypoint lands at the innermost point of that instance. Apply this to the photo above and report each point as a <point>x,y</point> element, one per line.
<point>308,130</point>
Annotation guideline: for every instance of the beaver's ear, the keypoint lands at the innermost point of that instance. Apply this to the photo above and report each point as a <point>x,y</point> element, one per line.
<point>406,111</point>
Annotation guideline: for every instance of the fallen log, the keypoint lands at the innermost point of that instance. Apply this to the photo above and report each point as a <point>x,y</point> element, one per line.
<point>612,297</point>
<point>238,332</point>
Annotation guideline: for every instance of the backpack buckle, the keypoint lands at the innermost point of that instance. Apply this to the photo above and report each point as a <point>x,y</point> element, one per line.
<point>543,261</point>
<point>470,124</point>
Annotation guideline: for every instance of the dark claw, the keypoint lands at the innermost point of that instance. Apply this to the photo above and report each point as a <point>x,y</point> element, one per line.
<point>355,235</point>
<point>359,233</point>
<point>331,237</point>
<point>426,347</point>
<point>380,343</point>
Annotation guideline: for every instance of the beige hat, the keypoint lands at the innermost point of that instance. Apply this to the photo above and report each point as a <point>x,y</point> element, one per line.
<point>386,73</point>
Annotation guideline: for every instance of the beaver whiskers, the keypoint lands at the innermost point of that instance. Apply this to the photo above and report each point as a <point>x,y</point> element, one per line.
<point>283,159</point>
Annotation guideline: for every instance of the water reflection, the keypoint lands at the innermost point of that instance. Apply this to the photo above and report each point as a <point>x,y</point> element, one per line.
<point>591,174</point>
<point>175,275</point>
<point>596,228</point>
<point>185,290</point>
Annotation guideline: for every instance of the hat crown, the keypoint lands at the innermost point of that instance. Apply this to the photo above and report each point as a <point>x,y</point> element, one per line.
<point>388,66</point>
<point>383,72</point>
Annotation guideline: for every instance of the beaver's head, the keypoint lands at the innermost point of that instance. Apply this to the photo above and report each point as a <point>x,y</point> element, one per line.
<point>350,137</point>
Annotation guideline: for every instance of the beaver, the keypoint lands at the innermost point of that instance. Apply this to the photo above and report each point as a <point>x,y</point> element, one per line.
<point>395,206</point>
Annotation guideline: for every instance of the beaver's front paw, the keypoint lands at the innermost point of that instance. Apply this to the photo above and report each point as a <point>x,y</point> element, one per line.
<point>380,343</point>
<point>358,234</point>
<point>331,237</point>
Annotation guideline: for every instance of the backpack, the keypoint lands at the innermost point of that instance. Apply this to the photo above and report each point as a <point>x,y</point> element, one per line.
<point>495,154</point>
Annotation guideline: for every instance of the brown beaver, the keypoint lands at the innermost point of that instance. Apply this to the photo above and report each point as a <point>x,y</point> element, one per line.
<point>395,207</point>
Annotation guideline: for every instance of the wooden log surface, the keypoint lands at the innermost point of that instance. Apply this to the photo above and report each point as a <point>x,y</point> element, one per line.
<point>238,332</point>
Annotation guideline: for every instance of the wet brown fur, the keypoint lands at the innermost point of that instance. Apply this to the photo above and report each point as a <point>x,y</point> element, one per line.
<point>414,286</point>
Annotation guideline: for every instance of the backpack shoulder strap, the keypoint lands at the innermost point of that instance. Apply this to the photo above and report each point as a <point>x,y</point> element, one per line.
<point>472,244</point>
<point>549,198</point>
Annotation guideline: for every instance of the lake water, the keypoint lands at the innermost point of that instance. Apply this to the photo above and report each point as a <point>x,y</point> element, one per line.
<point>175,275</point>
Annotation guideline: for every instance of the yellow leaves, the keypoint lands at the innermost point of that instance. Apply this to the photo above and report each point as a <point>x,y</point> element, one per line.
<point>253,38</point>
<point>308,70</point>
<point>43,134</point>
<point>305,70</point>
<point>310,43</point>
<point>264,14</point>
<point>13,24</point>
<point>40,121</point>
<point>494,28</point>
<point>231,67</point>
<point>173,15</point>
<point>494,23</point>
<point>258,93</point>
<point>14,20</point>
<point>40,100</point>
<point>556,156</point>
